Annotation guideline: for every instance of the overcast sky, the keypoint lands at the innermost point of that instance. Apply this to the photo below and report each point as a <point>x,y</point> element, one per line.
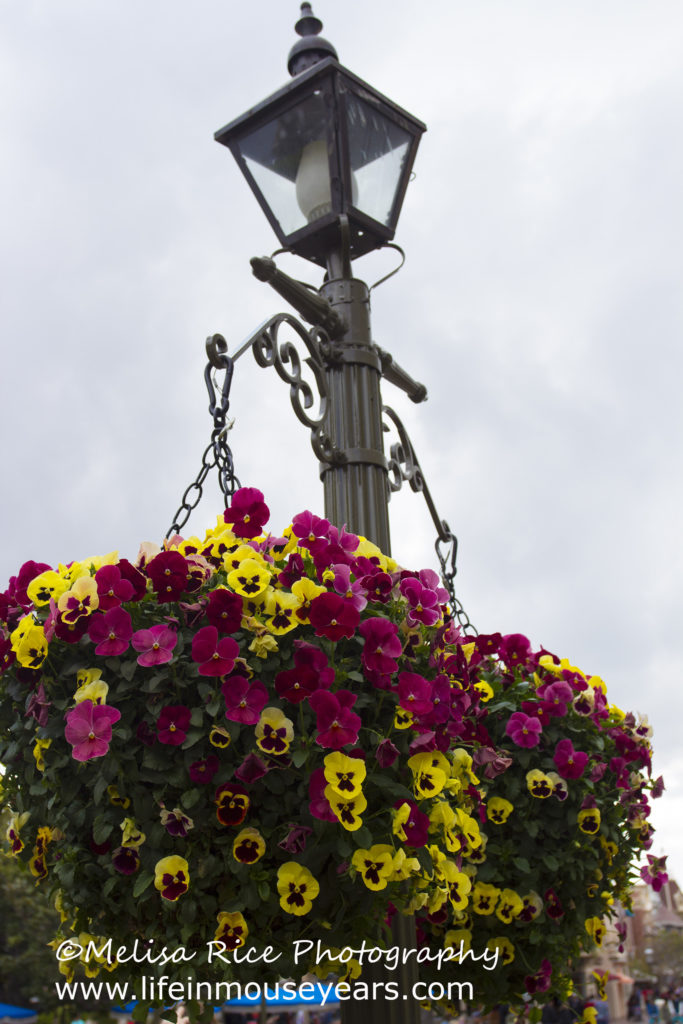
<point>540,302</point>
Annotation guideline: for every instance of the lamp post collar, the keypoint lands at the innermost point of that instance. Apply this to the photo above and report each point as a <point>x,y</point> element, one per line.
<point>311,48</point>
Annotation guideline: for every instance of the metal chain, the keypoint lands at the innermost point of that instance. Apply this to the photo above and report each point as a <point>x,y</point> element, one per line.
<point>217,453</point>
<point>448,572</point>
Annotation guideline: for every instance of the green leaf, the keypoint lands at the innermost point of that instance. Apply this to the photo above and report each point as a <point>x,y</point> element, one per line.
<point>522,864</point>
<point>143,880</point>
<point>299,757</point>
<point>99,788</point>
<point>190,798</point>
<point>552,863</point>
<point>127,669</point>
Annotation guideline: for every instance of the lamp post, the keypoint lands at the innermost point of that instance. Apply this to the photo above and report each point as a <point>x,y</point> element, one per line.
<point>329,159</point>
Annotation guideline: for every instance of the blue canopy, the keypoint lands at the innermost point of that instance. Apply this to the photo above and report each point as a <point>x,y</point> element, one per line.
<point>15,1012</point>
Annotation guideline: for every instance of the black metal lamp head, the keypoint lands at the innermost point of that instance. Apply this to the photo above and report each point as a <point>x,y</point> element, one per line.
<point>327,145</point>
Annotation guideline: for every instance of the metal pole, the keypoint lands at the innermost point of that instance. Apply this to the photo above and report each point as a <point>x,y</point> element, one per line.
<point>356,494</point>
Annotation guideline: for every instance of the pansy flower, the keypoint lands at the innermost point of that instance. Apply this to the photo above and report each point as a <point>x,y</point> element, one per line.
<point>250,579</point>
<point>172,877</point>
<point>251,769</point>
<point>414,693</point>
<point>333,616</point>
<point>589,820</point>
<point>155,645</point>
<point>81,600</point>
<point>505,948</point>
<point>248,512</point>
<point>112,588</point>
<point>172,724</point>
<point>570,763</point>
<point>132,836</point>
<point>458,883</point>
<point>219,737</point>
<point>279,611</point>
<point>347,809</point>
<point>126,860</point>
<point>305,591</point>
<point>375,866</point>
<point>498,809</point>
<point>47,586</point>
<point>596,929</point>
<point>532,905</point>
<point>215,657</point>
<point>560,790</point>
<point>508,906</point>
<point>88,729</point>
<point>204,770</point>
<point>523,730</point>
<point>538,784</point>
<point>224,610</point>
<point>337,724</point>
<point>111,631</point>
<point>484,898</point>
<point>319,805</point>
<point>249,846</point>
<point>553,906</point>
<point>232,930</point>
<point>168,572</point>
<point>232,803</point>
<point>297,888</point>
<point>430,772</point>
<point>423,603</point>
<point>244,699</point>
<point>274,731</point>
<point>176,822</point>
<point>344,774</point>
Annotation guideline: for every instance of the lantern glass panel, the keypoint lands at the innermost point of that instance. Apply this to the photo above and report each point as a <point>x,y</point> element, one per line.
<point>378,149</point>
<point>288,158</point>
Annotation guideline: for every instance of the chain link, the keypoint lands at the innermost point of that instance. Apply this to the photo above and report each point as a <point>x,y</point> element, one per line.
<point>217,453</point>
<point>447,561</point>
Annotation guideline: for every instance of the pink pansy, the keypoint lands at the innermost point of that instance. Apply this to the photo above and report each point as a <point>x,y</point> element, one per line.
<point>111,632</point>
<point>432,580</point>
<point>244,700</point>
<point>204,770</point>
<point>416,825</point>
<point>88,729</point>
<point>112,589</point>
<point>155,645</point>
<point>570,763</point>
<point>523,730</point>
<point>338,549</point>
<point>311,531</point>
<point>215,657</point>
<point>414,693</point>
<point>422,602</point>
<point>333,616</point>
<point>382,645</point>
<point>172,724</point>
<point>168,572</point>
<point>248,513</point>
<point>654,874</point>
<point>252,769</point>
<point>556,696</point>
<point>352,591</point>
<point>224,610</point>
<point>337,725</point>
<point>514,649</point>
<point>311,672</point>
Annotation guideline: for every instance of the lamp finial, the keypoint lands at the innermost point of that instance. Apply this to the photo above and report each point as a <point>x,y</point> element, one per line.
<point>311,48</point>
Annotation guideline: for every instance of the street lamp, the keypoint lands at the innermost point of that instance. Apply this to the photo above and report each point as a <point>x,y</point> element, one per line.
<point>329,160</point>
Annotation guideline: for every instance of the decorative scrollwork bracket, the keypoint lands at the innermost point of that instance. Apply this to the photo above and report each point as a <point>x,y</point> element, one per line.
<point>284,357</point>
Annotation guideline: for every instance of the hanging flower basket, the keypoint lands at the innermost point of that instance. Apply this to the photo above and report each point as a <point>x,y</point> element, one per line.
<point>247,740</point>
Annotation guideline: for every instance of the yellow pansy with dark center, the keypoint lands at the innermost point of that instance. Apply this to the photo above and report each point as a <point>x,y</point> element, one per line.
<point>375,866</point>
<point>297,888</point>
<point>249,846</point>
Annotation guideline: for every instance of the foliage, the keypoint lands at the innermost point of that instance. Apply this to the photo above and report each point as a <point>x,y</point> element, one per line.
<point>252,739</point>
